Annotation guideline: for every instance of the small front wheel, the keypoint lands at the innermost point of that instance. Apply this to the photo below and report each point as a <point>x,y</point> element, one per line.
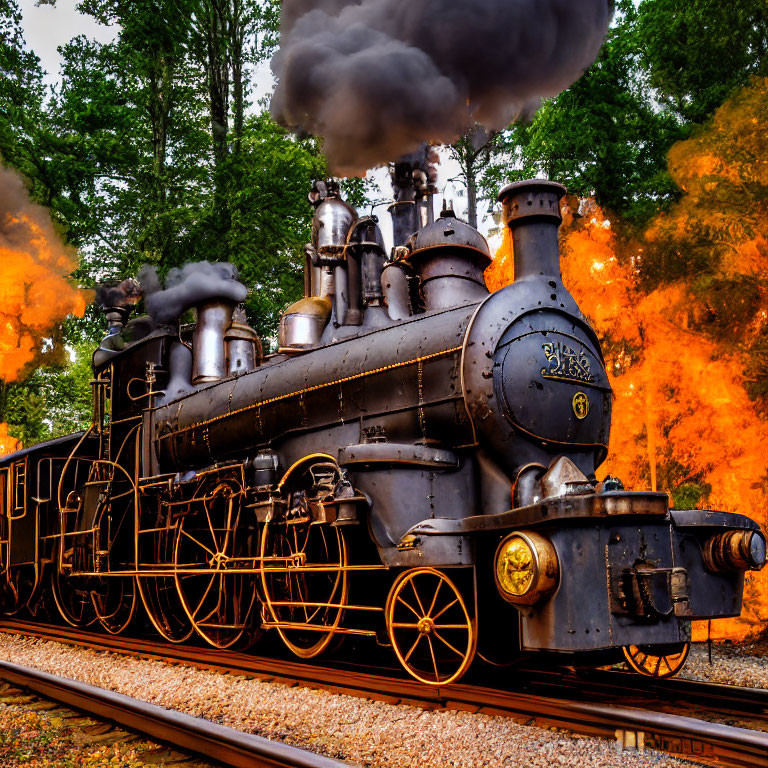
<point>644,661</point>
<point>430,628</point>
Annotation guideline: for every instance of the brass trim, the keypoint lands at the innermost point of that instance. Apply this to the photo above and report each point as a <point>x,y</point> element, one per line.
<point>546,575</point>
<point>580,405</point>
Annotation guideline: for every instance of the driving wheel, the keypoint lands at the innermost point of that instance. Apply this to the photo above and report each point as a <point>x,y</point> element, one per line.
<point>305,584</point>
<point>304,576</point>
<point>213,555</point>
<point>158,593</point>
<point>74,605</point>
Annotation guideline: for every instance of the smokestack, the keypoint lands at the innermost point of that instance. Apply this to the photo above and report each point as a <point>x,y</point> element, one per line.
<point>531,210</point>
<point>193,285</point>
<point>118,301</point>
<point>414,178</point>
<point>210,349</point>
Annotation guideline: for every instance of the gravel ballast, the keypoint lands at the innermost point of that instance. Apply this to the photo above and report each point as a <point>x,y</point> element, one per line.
<point>743,664</point>
<point>363,732</point>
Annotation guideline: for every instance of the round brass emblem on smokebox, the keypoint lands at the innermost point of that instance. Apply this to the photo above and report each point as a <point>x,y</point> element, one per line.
<point>580,405</point>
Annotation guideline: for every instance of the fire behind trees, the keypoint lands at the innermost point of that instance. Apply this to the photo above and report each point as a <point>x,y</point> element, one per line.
<point>36,294</point>
<point>682,311</point>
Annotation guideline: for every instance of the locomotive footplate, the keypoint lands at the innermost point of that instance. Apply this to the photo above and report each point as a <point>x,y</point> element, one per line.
<point>606,570</point>
<point>593,505</point>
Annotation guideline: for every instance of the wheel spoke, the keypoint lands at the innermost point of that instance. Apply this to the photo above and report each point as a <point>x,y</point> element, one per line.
<point>445,642</point>
<point>412,582</point>
<point>450,605</point>
<point>229,528</point>
<point>413,647</point>
<point>409,607</point>
<point>200,544</point>
<point>203,598</point>
<point>434,658</point>
<point>210,525</point>
<point>434,598</point>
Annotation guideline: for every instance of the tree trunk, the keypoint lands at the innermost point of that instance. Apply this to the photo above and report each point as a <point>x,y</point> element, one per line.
<point>237,39</point>
<point>470,171</point>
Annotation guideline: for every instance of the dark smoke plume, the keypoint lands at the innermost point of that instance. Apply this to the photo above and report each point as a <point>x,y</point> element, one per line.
<point>415,174</point>
<point>193,284</point>
<point>376,78</point>
<point>125,294</point>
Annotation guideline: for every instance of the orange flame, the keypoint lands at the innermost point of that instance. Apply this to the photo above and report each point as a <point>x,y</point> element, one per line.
<point>8,444</point>
<point>36,293</point>
<point>681,413</point>
<point>683,419</point>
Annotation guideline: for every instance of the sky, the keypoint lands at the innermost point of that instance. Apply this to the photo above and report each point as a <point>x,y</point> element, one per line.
<point>47,27</point>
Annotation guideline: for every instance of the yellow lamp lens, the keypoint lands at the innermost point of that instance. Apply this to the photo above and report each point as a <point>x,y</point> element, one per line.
<point>516,566</point>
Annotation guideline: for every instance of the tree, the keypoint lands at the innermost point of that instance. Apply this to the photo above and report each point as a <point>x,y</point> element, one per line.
<point>605,135</point>
<point>698,52</point>
<point>132,113</point>
<point>716,237</point>
<point>164,165</point>
<point>21,94</point>
<point>485,159</point>
<point>271,216</point>
<point>131,158</point>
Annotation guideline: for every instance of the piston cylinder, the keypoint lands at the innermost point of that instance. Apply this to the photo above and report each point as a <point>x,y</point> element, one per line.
<point>210,351</point>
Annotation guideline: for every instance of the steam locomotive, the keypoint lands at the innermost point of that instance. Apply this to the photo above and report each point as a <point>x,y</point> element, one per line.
<point>415,465</point>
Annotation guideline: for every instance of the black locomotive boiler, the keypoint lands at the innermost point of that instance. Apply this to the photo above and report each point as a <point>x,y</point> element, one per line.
<point>415,465</point>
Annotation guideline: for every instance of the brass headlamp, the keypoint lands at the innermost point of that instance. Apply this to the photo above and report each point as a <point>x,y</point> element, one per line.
<point>526,568</point>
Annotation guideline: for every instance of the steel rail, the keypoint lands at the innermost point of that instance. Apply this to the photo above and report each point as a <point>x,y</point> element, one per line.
<point>707,742</point>
<point>190,734</point>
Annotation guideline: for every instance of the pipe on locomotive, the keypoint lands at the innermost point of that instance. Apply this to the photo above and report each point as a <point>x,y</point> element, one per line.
<point>531,210</point>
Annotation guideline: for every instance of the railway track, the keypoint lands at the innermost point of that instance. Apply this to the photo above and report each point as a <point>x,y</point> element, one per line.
<point>594,704</point>
<point>190,734</point>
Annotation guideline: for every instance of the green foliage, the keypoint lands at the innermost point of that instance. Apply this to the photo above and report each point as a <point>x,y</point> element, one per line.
<point>149,151</point>
<point>271,217</point>
<point>605,135</point>
<point>698,51</point>
<point>146,153</point>
<point>150,176</point>
<point>52,401</point>
<point>485,160</point>
<point>21,94</point>
<point>690,495</point>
